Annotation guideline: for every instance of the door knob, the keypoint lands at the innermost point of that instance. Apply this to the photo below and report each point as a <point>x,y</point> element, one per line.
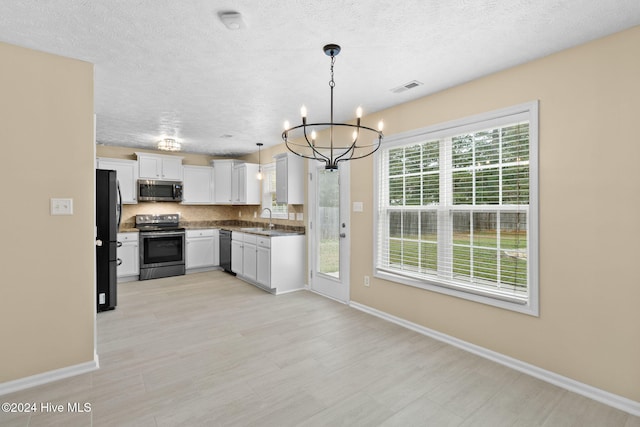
<point>98,242</point>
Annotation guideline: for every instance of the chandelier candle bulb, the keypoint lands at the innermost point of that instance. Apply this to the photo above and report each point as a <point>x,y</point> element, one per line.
<point>303,111</point>
<point>380,125</point>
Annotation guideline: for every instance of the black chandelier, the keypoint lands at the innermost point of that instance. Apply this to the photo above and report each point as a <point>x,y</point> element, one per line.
<point>330,152</point>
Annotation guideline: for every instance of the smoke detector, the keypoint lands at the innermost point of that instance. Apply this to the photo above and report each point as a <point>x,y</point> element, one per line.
<point>232,20</point>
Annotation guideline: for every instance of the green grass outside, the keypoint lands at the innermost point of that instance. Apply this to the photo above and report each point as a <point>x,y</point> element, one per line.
<point>479,262</point>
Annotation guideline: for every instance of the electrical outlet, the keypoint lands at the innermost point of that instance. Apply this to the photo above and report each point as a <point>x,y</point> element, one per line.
<point>255,214</point>
<point>102,298</point>
<point>366,281</point>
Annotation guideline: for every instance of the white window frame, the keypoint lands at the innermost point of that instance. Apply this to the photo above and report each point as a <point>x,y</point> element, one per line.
<point>527,111</point>
<point>268,194</point>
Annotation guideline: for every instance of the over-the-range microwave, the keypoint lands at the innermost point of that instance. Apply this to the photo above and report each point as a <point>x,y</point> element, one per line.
<point>152,190</point>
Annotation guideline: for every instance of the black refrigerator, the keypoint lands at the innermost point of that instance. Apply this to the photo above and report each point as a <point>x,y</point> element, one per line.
<point>108,209</point>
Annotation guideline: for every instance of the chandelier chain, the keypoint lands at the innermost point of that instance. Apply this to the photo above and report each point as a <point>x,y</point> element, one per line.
<point>332,83</point>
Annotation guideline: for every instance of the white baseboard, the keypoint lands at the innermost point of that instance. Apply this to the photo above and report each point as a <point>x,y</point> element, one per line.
<point>602,396</point>
<point>50,376</point>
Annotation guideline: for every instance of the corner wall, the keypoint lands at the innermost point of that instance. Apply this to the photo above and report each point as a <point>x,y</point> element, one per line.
<point>589,324</point>
<point>47,288</point>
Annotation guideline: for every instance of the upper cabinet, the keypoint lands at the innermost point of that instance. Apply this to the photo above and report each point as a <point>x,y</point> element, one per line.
<point>236,183</point>
<point>289,179</point>
<point>127,174</point>
<point>222,176</point>
<point>245,185</point>
<point>197,185</point>
<point>158,166</point>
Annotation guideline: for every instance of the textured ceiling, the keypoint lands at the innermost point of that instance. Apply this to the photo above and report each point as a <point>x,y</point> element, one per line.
<point>166,68</point>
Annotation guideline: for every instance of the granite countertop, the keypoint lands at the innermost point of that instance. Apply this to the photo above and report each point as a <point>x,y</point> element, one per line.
<point>259,228</point>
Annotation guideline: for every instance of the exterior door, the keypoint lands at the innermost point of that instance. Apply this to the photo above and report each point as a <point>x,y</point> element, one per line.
<point>329,231</point>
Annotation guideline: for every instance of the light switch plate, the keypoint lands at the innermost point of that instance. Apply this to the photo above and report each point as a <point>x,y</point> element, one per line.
<point>358,206</point>
<point>292,216</point>
<point>61,206</point>
<point>299,216</point>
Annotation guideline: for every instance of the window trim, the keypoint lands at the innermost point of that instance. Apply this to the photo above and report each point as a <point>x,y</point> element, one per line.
<point>267,169</point>
<point>468,124</point>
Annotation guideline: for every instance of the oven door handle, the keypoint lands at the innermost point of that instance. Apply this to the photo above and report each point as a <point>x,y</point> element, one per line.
<point>145,234</point>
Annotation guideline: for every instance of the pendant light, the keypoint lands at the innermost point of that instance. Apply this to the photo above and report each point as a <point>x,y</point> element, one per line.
<point>259,176</point>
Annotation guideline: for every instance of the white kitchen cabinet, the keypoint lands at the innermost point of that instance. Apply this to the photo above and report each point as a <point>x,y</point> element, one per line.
<point>289,179</point>
<point>127,174</point>
<point>236,183</point>
<point>128,254</point>
<point>197,186</point>
<point>202,250</point>
<point>263,261</point>
<point>249,257</point>
<point>245,185</point>
<point>159,166</point>
<point>237,245</point>
<point>283,272</point>
<point>222,179</point>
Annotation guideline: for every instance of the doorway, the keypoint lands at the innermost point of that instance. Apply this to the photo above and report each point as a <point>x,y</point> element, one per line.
<point>329,231</point>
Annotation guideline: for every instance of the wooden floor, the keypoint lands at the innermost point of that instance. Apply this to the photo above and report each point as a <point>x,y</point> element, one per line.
<point>207,349</point>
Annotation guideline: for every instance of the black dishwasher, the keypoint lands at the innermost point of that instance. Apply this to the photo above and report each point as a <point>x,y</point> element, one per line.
<point>225,250</point>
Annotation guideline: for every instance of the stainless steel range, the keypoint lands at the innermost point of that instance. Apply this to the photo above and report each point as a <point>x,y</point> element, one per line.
<point>162,246</point>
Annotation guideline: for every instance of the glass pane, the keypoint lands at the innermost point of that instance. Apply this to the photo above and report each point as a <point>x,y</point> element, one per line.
<point>430,189</point>
<point>462,188</point>
<point>396,191</point>
<point>515,185</point>
<point>461,228</point>
<point>396,163</point>
<point>461,262</point>
<point>329,223</point>
<point>515,143</point>
<point>429,256</point>
<point>487,187</point>
<point>487,147</point>
<point>431,156</point>
<point>412,160</point>
<point>410,255</point>
<point>429,226</point>
<point>485,264</point>
<point>484,229</point>
<point>462,151</point>
<point>395,224</point>
<point>395,252</point>
<point>410,225</point>
<point>412,191</point>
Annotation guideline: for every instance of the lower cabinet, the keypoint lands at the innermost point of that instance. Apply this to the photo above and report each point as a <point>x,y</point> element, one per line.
<point>263,261</point>
<point>128,254</point>
<point>202,249</point>
<point>274,263</point>
<point>237,256</point>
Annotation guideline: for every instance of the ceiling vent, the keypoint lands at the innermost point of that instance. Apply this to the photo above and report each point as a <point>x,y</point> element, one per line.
<point>405,87</point>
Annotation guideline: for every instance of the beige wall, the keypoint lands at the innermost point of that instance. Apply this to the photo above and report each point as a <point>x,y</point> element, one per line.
<point>47,301</point>
<point>589,324</point>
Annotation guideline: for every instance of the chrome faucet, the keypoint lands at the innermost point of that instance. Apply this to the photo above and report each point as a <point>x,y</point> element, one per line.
<point>270,217</point>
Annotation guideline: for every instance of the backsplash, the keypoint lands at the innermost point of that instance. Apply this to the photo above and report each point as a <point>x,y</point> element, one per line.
<point>200,213</point>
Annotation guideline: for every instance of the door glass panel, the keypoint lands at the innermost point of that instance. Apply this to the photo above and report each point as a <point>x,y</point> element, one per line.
<point>329,223</point>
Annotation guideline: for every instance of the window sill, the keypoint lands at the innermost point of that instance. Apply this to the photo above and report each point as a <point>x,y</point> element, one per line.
<point>506,302</point>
